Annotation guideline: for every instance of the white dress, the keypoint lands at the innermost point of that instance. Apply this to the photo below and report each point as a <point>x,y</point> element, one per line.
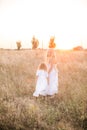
<point>42,83</point>
<point>53,81</point>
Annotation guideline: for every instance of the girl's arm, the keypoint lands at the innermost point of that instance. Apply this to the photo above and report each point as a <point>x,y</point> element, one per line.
<point>47,80</point>
<point>51,66</point>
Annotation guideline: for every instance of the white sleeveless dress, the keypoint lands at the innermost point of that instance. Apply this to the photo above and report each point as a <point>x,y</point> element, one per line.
<point>53,82</point>
<point>42,83</point>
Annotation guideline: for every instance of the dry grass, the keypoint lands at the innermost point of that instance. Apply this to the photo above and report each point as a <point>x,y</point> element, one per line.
<point>18,108</point>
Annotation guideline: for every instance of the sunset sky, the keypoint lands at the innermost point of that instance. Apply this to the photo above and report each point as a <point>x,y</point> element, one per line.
<point>64,19</point>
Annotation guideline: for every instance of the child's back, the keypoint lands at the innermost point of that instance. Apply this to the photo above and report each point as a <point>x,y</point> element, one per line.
<point>42,82</point>
<point>53,80</point>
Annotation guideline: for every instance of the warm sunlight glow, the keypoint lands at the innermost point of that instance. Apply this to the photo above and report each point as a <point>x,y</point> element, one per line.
<point>20,20</point>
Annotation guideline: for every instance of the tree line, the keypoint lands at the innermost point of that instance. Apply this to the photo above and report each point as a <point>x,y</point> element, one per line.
<point>35,43</point>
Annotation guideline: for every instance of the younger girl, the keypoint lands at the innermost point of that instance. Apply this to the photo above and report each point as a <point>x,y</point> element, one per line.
<point>42,80</point>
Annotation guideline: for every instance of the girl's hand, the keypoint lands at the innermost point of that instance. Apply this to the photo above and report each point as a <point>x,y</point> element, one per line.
<point>48,80</point>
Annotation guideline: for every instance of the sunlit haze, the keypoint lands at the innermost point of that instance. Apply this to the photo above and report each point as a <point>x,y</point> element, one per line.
<point>64,19</point>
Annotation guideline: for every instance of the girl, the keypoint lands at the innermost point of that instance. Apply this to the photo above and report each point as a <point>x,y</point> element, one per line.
<point>52,69</point>
<point>42,80</point>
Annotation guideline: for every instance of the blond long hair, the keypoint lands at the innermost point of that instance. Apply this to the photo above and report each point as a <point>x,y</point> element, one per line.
<point>42,66</point>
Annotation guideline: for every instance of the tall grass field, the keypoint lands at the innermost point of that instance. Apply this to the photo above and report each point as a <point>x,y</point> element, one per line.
<point>19,110</point>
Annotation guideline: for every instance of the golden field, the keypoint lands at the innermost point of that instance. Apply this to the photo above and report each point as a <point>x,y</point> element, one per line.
<point>19,110</point>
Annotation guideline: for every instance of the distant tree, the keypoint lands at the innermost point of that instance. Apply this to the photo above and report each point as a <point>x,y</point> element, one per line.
<point>34,42</point>
<point>85,49</point>
<point>78,48</point>
<point>52,43</point>
<point>18,43</point>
